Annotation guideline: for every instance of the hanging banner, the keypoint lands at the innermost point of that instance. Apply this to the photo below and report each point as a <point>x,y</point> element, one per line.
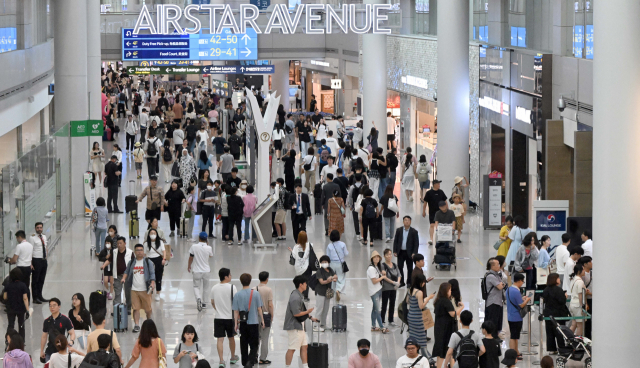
<point>87,128</point>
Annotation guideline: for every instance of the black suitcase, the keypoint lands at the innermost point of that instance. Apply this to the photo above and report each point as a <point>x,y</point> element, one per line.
<point>130,200</point>
<point>317,199</point>
<point>318,353</point>
<point>98,301</point>
<point>339,318</point>
<point>375,228</point>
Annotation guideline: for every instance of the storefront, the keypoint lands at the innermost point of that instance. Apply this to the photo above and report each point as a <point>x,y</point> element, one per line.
<point>316,76</point>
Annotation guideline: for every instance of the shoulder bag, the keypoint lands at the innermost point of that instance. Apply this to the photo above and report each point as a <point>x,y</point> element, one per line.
<point>392,205</point>
<point>523,311</point>
<point>301,319</point>
<point>339,206</point>
<point>162,361</point>
<point>345,268</point>
<point>243,316</point>
<point>266,317</point>
<point>154,205</point>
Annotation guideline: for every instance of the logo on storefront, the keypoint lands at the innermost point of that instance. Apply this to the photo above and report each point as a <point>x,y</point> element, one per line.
<point>551,218</point>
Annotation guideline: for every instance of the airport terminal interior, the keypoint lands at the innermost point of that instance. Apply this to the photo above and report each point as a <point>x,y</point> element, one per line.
<point>455,142</point>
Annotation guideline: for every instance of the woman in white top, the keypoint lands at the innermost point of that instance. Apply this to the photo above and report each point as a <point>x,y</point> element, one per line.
<point>408,176</point>
<point>300,254</point>
<point>309,165</point>
<point>62,357</point>
<point>154,249</point>
<point>277,137</point>
<point>321,131</point>
<point>97,158</point>
<point>577,290</point>
<point>375,276</point>
<point>204,138</point>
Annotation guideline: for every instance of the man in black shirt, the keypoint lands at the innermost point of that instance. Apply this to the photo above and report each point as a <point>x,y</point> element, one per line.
<point>17,300</point>
<point>234,181</point>
<point>112,173</point>
<point>56,324</point>
<point>313,103</point>
<point>317,117</point>
<point>234,144</point>
<point>444,216</point>
<point>392,165</point>
<point>433,198</point>
<point>162,101</point>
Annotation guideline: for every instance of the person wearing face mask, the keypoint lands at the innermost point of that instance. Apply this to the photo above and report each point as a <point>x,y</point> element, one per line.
<point>155,251</point>
<point>242,189</point>
<point>208,198</point>
<point>106,259</point>
<point>364,358</point>
<point>326,276</point>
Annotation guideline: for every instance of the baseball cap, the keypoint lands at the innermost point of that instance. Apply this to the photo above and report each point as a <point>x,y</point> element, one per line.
<point>203,235</point>
<point>437,181</point>
<point>442,203</point>
<point>510,357</point>
<point>412,341</point>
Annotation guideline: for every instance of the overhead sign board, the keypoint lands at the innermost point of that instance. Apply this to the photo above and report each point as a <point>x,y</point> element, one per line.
<point>221,88</point>
<point>207,69</point>
<point>87,128</point>
<point>261,4</point>
<point>188,47</point>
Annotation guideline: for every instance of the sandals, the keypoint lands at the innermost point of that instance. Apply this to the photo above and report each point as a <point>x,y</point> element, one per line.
<point>264,362</point>
<point>375,329</point>
<point>385,330</point>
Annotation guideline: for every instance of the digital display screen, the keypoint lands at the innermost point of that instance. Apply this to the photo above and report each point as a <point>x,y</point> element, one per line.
<point>8,39</point>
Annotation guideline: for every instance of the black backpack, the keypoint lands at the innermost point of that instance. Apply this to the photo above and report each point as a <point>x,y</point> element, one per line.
<point>288,129</point>
<point>466,351</point>
<point>483,287</point>
<point>370,211</point>
<point>152,150</point>
<point>166,155</point>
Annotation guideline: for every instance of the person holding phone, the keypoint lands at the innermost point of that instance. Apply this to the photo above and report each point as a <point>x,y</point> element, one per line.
<point>515,302</point>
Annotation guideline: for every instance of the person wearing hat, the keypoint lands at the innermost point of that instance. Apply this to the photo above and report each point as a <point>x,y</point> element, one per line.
<point>510,358</point>
<point>364,358</point>
<point>444,215</point>
<point>458,209</point>
<point>199,255</point>
<point>138,159</point>
<point>412,358</point>
<point>130,129</point>
<point>112,174</point>
<point>155,200</point>
<point>375,276</point>
<point>242,189</point>
<point>434,196</point>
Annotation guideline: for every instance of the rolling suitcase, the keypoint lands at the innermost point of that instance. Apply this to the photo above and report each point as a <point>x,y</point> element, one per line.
<point>98,301</point>
<point>130,200</point>
<point>317,199</point>
<point>120,318</point>
<point>134,224</point>
<point>339,318</point>
<point>318,353</point>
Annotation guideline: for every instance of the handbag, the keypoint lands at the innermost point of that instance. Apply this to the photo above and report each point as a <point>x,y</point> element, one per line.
<point>523,311</point>
<point>392,205</point>
<point>339,206</point>
<point>541,275</point>
<point>497,244</point>
<point>345,268</point>
<point>243,316</point>
<point>292,261</point>
<point>427,319</point>
<point>162,361</point>
<point>329,293</point>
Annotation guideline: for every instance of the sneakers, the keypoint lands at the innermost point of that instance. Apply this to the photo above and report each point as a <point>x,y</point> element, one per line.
<point>234,359</point>
<point>199,304</point>
<point>230,243</point>
<point>157,297</point>
<point>211,236</point>
<point>388,240</point>
<point>204,305</point>
<point>459,241</point>
<point>430,242</point>
<point>136,329</point>
<point>172,234</point>
<point>109,296</point>
<point>239,242</point>
<point>222,365</point>
<point>318,329</point>
<point>392,324</point>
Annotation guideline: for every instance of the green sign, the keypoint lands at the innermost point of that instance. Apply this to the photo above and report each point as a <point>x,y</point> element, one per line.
<point>87,128</point>
<point>164,70</point>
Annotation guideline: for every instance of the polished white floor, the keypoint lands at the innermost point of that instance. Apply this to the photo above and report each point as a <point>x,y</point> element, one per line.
<point>72,269</point>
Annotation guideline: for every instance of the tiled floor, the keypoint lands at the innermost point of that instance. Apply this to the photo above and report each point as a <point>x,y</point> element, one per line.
<point>72,269</point>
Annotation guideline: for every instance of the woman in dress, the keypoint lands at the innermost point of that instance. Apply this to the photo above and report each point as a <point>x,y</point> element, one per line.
<point>187,168</point>
<point>337,251</point>
<point>105,257</point>
<point>321,132</point>
<point>517,234</point>
<point>444,319</point>
<point>175,198</point>
<point>300,254</point>
<point>373,138</point>
<point>281,115</point>
<point>336,213</point>
<point>97,164</point>
<point>81,320</point>
<point>503,250</point>
<point>408,176</point>
<point>149,345</point>
<point>417,302</point>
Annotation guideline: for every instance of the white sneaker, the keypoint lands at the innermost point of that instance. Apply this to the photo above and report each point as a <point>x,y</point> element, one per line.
<point>157,297</point>
<point>388,240</point>
<point>318,329</point>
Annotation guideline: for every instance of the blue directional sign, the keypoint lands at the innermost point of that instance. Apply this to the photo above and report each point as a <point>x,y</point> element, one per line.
<point>261,4</point>
<point>202,46</point>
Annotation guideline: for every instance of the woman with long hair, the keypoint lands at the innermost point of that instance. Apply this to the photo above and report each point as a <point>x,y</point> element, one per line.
<point>187,350</point>
<point>62,358</point>
<point>300,253</point>
<point>555,305</point>
<point>527,259</point>
<point>375,277</point>
<point>345,159</point>
<point>373,139</point>
<point>16,300</point>
<point>81,319</point>
<point>455,298</point>
<point>166,152</point>
<point>517,234</point>
<point>277,136</point>
<point>408,176</point>
<point>282,115</point>
<point>15,355</point>
<point>155,251</point>
<point>389,289</point>
<point>149,345</point>
<point>336,212</point>
<point>105,257</point>
<point>337,251</point>
<point>97,161</point>
<point>417,302</point>
<point>444,319</point>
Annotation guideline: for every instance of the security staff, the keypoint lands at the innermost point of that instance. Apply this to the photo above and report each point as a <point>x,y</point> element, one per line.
<point>38,263</point>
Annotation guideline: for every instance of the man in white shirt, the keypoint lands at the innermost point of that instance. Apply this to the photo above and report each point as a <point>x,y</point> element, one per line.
<point>38,263</point>
<point>199,255</point>
<point>363,154</point>
<point>391,131</point>
<point>223,324</point>
<point>412,348</point>
<point>576,253</point>
<point>22,256</point>
<point>587,244</point>
<point>131,129</point>
<point>562,254</point>
<point>332,143</point>
<point>143,120</point>
<point>330,168</point>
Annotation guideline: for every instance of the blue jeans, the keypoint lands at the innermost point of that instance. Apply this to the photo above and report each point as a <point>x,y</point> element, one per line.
<point>391,178</point>
<point>390,226</point>
<point>101,234</point>
<point>382,186</point>
<point>247,224</point>
<point>375,309</point>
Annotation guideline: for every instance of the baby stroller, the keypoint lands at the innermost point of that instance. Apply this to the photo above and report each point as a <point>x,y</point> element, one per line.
<point>571,346</point>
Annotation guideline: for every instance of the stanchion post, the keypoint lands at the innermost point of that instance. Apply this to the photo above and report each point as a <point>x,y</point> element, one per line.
<point>529,344</point>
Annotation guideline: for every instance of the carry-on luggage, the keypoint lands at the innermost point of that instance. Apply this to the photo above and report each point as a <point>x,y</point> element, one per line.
<point>120,318</point>
<point>339,318</point>
<point>318,353</point>
<point>130,200</point>
<point>98,301</point>
<point>375,228</point>
<point>134,224</point>
<point>317,198</point>
<point>445,256</point>
<point>106,136</point>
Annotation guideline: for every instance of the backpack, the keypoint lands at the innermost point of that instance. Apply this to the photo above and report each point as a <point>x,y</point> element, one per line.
<point>370,211</point>
<point>122,97</point>
<point>166,155</point>
<point>152,150</point>
<point>423,172</point>
<point>466,351</point>
<point>137,99</point>
<point>483,287</point>
<point>324,154</point>
<point>355,192</point>
<point>288,129</point>
<point>403,311</point>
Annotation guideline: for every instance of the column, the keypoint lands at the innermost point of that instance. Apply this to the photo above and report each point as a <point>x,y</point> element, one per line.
<point>280,82</point>
<point>94,63</point>
<point>408,8</point>
<point>70,25</point>
<point>616,125</point>
<point>498,22</point>
<point>374,84</point>
<point>433,17</point>
<point>453,91</point>
<point>24,27</point>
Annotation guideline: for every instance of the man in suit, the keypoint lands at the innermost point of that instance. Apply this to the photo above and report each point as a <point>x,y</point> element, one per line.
<point>300,210</point>
<point>327,193</point>
<point>405,245</point>
<point>112,172</point>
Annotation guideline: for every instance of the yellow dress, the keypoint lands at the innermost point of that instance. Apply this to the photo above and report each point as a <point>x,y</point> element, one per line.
<point>504,247</point>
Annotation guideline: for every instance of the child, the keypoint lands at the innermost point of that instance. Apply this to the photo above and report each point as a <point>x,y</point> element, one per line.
<point>250,201</point>
<point>491,357</point>
<point>510,357</point>
<point>458,210</point>
<point>138,158</point>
